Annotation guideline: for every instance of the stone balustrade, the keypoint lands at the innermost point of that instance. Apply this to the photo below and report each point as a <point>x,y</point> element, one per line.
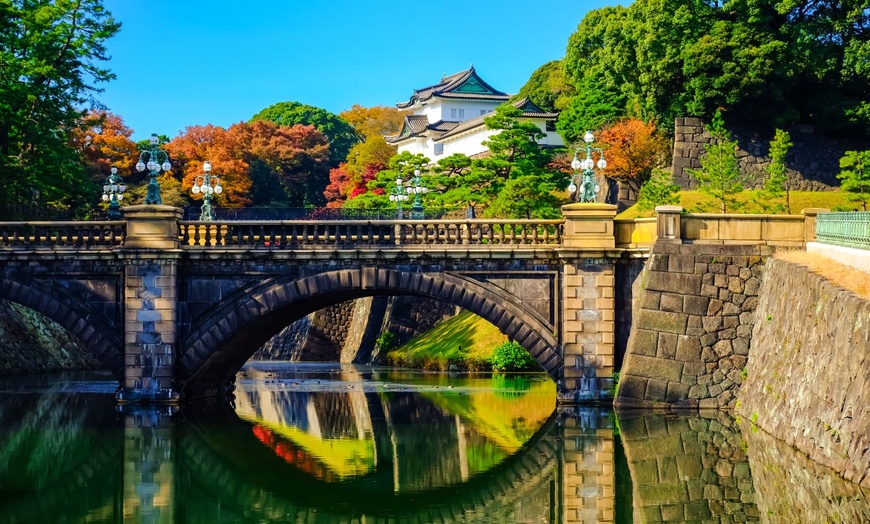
<point>53,235</point>
<point>340,233</point>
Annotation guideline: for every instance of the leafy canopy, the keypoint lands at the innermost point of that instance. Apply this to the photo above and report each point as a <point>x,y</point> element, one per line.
<point>50,64</point>
<point>341,135</point>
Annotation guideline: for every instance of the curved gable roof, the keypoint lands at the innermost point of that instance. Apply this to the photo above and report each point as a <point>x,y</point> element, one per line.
<point>464,84</point>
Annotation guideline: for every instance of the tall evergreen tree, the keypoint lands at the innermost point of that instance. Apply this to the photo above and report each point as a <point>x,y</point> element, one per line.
<point>50,65</point>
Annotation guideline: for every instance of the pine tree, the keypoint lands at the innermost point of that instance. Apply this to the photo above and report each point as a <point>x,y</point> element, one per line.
<point>719,176</point>
<point>855,176</point>
<point>659,190</point>
<point>776,186</point>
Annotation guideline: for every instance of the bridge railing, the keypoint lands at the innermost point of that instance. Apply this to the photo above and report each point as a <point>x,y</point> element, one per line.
<point>847,229</point>
<point>52,235</point>
<point>289,234</point>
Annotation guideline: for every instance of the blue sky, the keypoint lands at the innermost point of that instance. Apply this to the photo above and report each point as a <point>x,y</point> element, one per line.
<point>195,62</point>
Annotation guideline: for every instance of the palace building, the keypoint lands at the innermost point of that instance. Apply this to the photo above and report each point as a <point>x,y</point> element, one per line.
<point>447,117</point>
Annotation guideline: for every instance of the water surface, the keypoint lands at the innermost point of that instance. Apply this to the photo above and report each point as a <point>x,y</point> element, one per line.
<point>337,443</point>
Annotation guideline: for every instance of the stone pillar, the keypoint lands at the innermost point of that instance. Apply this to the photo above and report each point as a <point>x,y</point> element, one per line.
<point>668,224</point>
<point>810,215</point>
<point>588,285</point>
<point>151,253</point>
<point>589,226</point>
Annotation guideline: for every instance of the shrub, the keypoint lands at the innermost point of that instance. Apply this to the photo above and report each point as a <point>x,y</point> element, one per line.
<point>511,356</point>
<point>386,342</point>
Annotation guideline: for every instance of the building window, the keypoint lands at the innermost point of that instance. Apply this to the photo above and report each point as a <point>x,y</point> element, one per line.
<point>439,149</point>
<point>453,113</point>
<point>550,125</point>
<point>461,114</point>
<point>482,112</point>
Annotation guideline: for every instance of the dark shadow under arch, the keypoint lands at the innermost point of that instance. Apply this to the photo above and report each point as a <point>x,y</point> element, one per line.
<point>95,332</point>
<point>217,347</point>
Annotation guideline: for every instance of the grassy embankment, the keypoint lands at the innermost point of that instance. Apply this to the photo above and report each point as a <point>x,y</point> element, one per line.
<point>466,341</point>
<point>697,202</point>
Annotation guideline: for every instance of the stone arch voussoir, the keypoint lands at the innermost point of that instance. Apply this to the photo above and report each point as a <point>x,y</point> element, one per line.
<point>208,356</point>
<point>97,334</point>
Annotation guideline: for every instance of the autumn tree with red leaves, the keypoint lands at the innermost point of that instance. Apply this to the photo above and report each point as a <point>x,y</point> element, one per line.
<point>260,163</point>
<point>632,149</point>
<point>104,141</point>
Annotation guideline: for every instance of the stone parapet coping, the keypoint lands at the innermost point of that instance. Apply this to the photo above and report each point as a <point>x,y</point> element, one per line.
<point>856,258</point>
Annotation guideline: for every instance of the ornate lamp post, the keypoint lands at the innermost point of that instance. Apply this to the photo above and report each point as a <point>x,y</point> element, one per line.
<point>154,166</point>
<point>588,187</point>
<point>417,188</point>
<point>207,184</point>
<point>113,193</point>
<point>398,196</point>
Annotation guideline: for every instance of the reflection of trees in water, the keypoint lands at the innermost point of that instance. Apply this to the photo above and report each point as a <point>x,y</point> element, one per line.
<point>235,468</point>
<point>60,455</point>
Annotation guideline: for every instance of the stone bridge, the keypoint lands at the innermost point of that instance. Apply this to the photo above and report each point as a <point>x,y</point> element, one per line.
<point>174,308</point>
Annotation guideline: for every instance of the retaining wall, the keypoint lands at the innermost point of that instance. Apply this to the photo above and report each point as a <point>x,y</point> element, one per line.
<point>692,326</point>
<point>808,377</point>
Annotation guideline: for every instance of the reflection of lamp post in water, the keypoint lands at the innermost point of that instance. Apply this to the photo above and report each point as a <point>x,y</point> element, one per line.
<point>588,187</point>
<point>398,196</point>
<point>207,184</point>
<point>113,193</point>
<point>154,167</point>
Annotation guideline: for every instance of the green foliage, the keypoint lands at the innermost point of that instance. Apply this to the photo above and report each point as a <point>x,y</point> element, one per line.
<point>614,385</point>
<point>719,176</point>
<point>511,356</point>
<point>50,63</point>
<point>386,342</point>
<point>766,63</point>
<point>776,185</point>
<point>548,88</point>
<point>591,109</point>
<point>855,176</point>
<point>659,190</point>
<point>342,136</point>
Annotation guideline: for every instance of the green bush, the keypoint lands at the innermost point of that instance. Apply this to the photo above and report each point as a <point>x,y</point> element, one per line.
<point>511,356</point>
<point>386,342</point>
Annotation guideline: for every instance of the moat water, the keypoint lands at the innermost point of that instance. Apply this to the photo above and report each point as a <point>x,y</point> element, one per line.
<point>336,443</point>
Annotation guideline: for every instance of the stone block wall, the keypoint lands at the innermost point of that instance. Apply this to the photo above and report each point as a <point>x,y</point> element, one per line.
<point>30,342</point>
<point>408,316</point>
<point>812,162</point>
<point>692,325</point>
<point>808,378</point>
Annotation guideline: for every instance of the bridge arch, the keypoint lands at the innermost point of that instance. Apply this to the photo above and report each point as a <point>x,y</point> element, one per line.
<point>217,347</point>
<point>75,315</point>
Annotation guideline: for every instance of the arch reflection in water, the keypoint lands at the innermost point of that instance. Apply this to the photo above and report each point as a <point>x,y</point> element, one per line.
<point>72,458</point>
<point>408,431</point>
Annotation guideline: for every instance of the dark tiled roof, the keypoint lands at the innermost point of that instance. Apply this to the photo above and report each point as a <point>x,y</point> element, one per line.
<point>412,125</point>
<point>464,84</point>
<point>529,109</point>
<point>416,125</point>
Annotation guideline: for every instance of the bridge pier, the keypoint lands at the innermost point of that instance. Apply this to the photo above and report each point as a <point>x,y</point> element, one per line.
<point>151,254</point>
<point>588,291</point>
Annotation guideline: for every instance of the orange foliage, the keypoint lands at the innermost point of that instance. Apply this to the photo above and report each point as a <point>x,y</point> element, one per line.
<point>104,141</point>
<point>373,121</point>
<point>291,151</point>
<point>633,149</point>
